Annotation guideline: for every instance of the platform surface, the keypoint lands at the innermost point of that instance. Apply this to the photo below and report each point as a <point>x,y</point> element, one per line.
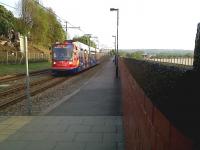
<point>89,120</point>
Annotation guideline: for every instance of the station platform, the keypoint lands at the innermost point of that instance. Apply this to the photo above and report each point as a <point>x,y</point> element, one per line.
<point>89,120</point>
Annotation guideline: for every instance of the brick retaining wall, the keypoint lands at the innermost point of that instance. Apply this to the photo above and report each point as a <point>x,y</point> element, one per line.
<point>146,128</point>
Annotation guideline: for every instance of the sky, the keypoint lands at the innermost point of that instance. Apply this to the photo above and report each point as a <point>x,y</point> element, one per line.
<point>143,24</point>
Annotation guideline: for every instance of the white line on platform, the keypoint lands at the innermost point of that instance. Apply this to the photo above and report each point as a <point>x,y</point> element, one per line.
<point>65,98</point>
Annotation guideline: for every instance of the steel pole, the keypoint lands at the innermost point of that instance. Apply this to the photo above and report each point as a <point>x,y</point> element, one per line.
<point>29,105</point>
<point>89,50</point>
<point>66,30</point>
<point>115,51</point>
<point>117,72</point>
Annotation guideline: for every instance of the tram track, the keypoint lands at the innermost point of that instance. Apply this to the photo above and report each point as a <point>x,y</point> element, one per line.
<point>7,99</point>
<point>22,87</point>
<point>12,96</point>
<point>23,75</point>
<point>42,81</point>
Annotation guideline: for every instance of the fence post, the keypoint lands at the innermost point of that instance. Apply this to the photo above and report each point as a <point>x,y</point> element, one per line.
<point>31,57</point>
<point>181,61</point>
<point>185,61</point>
<point>16,58</point>
<point>178,61</point>
<point>21,59</point>
<point>7,57</point>
<point>191,61</point>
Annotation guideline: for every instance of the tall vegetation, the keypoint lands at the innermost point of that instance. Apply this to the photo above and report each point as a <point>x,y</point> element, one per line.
<point>86,40</point>
<point>196,64</point>
<point>7,21</point>
<point>135,55</point>
<point>42,23</point>
<point>38,23</point>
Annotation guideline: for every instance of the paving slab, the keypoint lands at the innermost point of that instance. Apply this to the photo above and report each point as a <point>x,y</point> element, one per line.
<point>100,96</point>
<point>77,135</point>
<point>90,120</point>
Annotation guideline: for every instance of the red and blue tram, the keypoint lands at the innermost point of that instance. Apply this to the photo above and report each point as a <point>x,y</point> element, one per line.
<point>72,57</point>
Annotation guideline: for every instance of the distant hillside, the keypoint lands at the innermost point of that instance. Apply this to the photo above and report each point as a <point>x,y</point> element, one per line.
<point>161,51</point>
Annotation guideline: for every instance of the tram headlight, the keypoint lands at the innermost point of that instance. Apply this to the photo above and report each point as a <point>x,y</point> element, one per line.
<point>54,62</point>
<point>70,62</point>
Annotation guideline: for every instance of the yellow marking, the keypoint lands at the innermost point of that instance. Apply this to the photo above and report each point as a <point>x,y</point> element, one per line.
<point>11,125</point>
<point>3,137</point>
<point>2,126</point>
<point>8,121</point>
<point>8,131</point>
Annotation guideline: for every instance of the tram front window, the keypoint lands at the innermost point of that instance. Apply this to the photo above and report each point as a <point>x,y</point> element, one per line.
<point>64,53</point>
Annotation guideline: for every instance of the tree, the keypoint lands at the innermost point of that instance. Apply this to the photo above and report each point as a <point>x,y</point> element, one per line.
<point>122,53</point>
<point>196,63</point>
<point>6,21</point>
<point>137,55</point>
<point>86,40</point>
<point>41,22</point>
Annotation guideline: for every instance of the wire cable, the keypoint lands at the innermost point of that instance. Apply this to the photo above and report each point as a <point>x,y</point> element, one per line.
<point>7,5</point>
<point>60,19</point>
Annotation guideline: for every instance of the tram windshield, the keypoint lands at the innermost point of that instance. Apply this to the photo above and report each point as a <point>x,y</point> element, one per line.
<point>63,53</point>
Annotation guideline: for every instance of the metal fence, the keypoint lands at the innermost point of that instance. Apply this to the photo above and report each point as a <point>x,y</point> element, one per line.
<point>187,61</point>
<point>18,57</point>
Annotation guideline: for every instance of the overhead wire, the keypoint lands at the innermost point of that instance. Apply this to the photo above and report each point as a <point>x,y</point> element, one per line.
<point>59,18</point>
<point>7,5</point>
<point>55,14</point>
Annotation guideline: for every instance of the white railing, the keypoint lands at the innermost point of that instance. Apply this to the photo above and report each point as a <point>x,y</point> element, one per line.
<point>187,61</point>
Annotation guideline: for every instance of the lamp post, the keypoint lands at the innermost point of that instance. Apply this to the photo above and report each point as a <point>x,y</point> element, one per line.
<point>89,36</point>
<point>115,48</point>
<point>116,9</point>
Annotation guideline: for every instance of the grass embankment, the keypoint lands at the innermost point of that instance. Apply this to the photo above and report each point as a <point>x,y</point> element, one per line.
<point>11,69</point>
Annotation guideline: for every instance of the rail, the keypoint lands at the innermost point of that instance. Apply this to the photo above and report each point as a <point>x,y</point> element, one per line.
<point>22,75</point>
<point>36,87</point>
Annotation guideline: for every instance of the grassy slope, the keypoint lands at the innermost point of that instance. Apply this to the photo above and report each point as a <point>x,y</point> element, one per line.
<point>21,68</point>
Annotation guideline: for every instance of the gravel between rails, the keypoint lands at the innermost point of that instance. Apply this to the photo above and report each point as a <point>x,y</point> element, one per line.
<point>50,97</point>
